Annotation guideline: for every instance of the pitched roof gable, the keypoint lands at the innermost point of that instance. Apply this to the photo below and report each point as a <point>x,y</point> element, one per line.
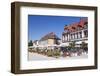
<point>50,35</point>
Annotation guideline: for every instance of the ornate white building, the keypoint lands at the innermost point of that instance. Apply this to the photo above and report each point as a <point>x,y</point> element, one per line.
<point>77,32</point>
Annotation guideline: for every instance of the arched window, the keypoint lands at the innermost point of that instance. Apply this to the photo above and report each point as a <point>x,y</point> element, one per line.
<point>85,25</point>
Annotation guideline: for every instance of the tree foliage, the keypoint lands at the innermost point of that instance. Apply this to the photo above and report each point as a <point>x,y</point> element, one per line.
<point>72,45</point>
<point>30,43</point>
<point>83,45</point>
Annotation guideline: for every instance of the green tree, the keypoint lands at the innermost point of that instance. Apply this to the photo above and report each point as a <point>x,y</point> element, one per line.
<point>72,45</point>
<point>30,43</point>
<point>83,45</point>
<point>49,53</point>
<point>56,53</point>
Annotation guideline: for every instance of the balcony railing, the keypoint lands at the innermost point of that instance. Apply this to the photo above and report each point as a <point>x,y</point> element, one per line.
<point>79,39</point>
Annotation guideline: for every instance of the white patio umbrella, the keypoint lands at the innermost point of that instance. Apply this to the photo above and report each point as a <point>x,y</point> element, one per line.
<point>64,44</point>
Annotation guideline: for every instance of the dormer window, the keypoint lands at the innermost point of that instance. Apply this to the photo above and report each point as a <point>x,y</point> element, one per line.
<point>85,25</point>
<point>73,28</point>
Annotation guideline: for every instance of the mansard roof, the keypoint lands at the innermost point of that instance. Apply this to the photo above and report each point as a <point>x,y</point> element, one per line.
<point>73,26</point>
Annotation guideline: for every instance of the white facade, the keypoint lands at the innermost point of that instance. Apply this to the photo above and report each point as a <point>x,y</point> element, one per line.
<point>78,36</point>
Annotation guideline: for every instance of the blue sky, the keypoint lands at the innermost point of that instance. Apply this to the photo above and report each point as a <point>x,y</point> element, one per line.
<point>40,25</point>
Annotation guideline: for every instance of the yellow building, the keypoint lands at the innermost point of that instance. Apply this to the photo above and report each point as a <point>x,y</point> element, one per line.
<point>50,39</point>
